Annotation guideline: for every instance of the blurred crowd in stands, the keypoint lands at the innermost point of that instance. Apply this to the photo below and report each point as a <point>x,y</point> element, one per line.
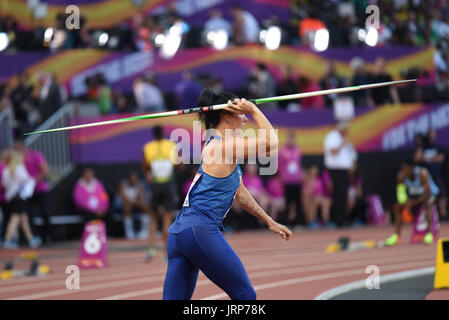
<point>402,22</point>
<point>34,97</point>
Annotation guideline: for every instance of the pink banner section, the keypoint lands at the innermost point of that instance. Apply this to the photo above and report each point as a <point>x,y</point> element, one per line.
<point>420,227</point>
<point>93,251</point>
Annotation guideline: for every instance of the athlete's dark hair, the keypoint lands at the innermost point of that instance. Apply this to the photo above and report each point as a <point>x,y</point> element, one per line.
<point>158,132</point>
<point>208,97</point>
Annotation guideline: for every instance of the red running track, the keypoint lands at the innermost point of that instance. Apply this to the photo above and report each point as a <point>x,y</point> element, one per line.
<point>297,269</point>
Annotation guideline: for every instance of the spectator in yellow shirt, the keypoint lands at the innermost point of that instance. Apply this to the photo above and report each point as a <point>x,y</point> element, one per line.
<point>159,159</point>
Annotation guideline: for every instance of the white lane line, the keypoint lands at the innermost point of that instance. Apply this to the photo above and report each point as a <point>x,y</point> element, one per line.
<point>262,274</point>
<point>83,289</point>
<point>330,275</point>
<point>328,294</point>
<point>139,270</point>
<point>83,279</point>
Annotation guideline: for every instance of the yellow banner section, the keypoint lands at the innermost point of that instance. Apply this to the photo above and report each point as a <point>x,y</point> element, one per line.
<point>98,15</point>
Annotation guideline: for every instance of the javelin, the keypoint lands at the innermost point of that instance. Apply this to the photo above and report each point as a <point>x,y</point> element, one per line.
<point>224,105</point>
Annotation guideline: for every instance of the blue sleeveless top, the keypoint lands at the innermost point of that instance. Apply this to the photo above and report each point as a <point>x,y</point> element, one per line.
<point>415,188</point>
<point>208,200</point>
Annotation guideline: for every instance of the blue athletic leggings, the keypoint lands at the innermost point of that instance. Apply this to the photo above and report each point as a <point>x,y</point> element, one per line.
<point>204,248</point>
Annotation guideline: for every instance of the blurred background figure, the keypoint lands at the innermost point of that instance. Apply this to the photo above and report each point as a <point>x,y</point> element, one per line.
<point>20,91</point>
<point>37,167</point>
<point>144,27</point>
<point>104,95</point>
<point>120,103</point>
<point>331,80</point>
<point>420,194</point>
<point>253,182</point>
<point>307,85</point>
<point>51,96</point>
<point>148,96</point>
<point>360,77</point>
<point>309,26</point>
<point>356,201</point>
<point>158,167</point>
<point>132,198</point>
<point>275,190</point>
<point>290,171</point>
<point>245,27</point>
<point>99,92</point>
<point>187,90</point>
<point>19,187</point>
<point>287,85</point>
<point>429,155</point>
<point>383,94</point>
<point>216,23</point>
<point>261,84</point>
<point>90,197</point>
<point>338,159</point>
<point>315,198</point>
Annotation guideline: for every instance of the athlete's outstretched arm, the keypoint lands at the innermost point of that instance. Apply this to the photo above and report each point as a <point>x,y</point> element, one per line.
<point>247,202</point>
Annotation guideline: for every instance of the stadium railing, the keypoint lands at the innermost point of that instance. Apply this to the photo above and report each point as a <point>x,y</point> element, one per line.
<point>55,146</point>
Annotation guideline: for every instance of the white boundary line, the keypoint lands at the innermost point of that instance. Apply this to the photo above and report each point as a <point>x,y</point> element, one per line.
<point>321,276</point>
<point>326,295</point>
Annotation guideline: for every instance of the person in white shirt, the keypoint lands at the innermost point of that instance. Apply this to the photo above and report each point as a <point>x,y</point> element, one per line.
<point>339,155</point>
<point>19,187</point>
<point>132,196</point>
<point>148,96</point>
<point>246,28</point>
<point>216,23</point>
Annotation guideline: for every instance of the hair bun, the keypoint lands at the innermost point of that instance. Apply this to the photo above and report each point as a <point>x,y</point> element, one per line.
<point>207,98</point>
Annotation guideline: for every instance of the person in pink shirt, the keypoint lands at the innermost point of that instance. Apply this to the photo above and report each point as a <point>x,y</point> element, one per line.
<point>290,172</point>
<point>316,196</point>
<point>90,196</point>
<point>253,182</point>
<point>37,167</point>
<point>275,189</point>
<point>327,183</point>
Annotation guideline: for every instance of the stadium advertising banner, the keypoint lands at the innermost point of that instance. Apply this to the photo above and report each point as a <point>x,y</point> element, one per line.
<point>383,129</point>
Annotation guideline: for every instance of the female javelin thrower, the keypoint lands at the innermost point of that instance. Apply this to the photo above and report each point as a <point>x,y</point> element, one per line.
<point>195,241</point>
